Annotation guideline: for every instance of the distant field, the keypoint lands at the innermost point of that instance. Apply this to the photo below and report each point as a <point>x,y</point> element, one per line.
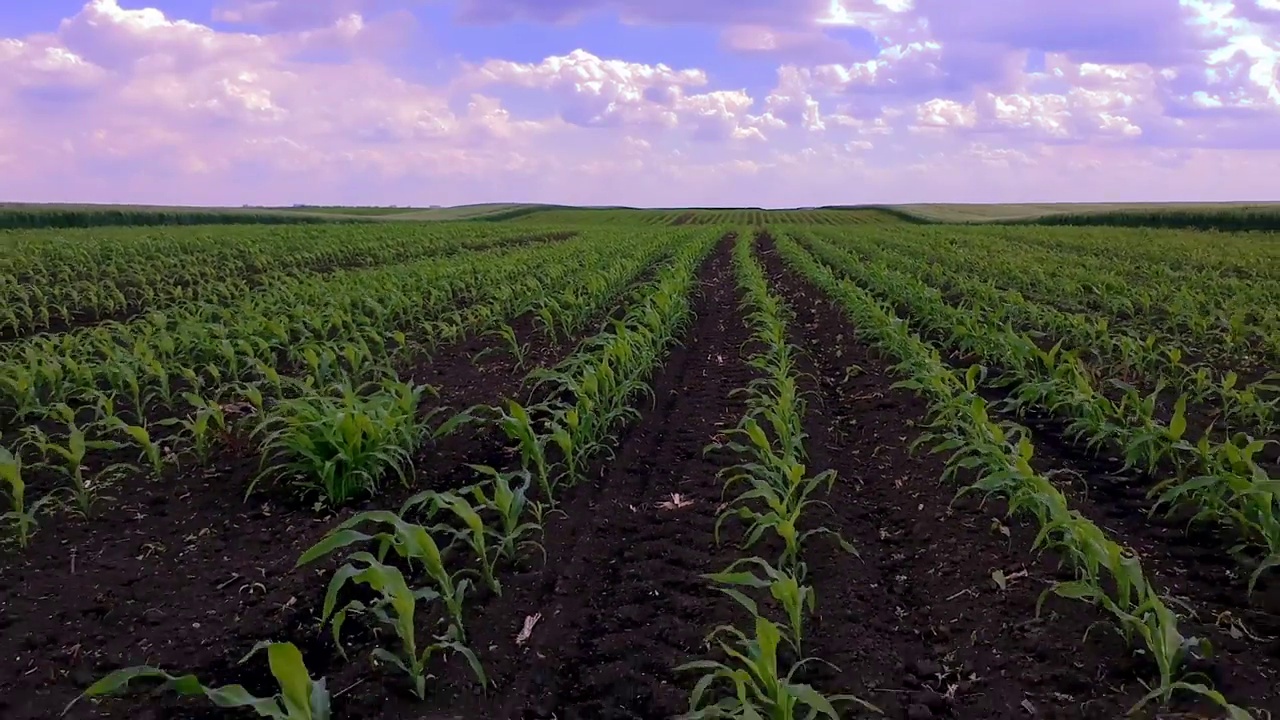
<point>703,216</point>
<point>35,216</point>
<point>1241,216</point>
<point>1225,216</point>
<point>347,211</point>
<point>479,211</point>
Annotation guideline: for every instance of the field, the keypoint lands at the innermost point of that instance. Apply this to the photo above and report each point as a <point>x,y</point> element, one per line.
<point>603,464</point>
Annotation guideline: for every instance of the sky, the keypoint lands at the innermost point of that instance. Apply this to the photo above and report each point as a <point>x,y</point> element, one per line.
<point>651,103</point>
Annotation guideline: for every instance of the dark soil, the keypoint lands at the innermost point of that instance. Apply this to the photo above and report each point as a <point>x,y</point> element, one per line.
<point>920,627</point>
<point>1191,565</point>
<point>185,575</point>
<point>620,596</point>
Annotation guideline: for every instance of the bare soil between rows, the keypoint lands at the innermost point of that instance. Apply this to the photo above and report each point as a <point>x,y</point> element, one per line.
<point>1103,676</point>
<point>186,575</point>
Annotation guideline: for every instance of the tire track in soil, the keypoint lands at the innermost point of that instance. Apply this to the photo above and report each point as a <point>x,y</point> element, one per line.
<point>918,626</point>
<point>621,599</point>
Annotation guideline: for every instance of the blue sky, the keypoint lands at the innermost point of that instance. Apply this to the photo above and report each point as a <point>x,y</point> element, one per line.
<point>751,102</point>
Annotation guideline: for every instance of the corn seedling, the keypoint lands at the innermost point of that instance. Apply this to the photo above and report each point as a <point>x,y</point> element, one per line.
<point>411,542</point>
<point>83,489</point>
<point>485,544</point>
<point>342,447</point>
<point>786,589</point>
<point>510,503</point>
<point>396,607</point>
<point>207,418</point>
<point>507,334</point>
<point>20,516</point>
<point>152,453</point>
<point>300,697</point>
<point>756,685</point>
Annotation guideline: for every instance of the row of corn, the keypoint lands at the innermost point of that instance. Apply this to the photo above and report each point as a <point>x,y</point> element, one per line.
<point>998,456</point>
<point>417,567</point>
<point>1217,480</point>
<point>771,494</point>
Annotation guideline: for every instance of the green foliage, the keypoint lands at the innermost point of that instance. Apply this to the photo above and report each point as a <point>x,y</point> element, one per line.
<point>300,697</point>
<point>342,444</point>
<point>759,686</point>
<point>395,607</point>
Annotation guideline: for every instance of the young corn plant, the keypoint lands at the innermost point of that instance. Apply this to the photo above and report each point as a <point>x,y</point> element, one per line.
<point>411,542</point>
<point>755,686</point>
<point>485,544</point>
<point>511,343</point>
<point>517,424</point>
<point>510,503</point>
<point>83,489</point>
<point>300,697</point>
<point>781,485</point>
<point>395,607</point>
<point>207,422</point>
<point>152,453</point>
<point>786,589</point>
<point>20,516</point>
<point>343,446</point>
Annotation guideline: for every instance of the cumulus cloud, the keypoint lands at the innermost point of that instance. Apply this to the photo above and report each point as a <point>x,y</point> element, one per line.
<point>599,92</point>
<point>298,102</point>
<point>775,13</point>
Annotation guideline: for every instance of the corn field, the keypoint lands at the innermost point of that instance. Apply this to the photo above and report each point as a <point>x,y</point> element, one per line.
<point>625,464</point>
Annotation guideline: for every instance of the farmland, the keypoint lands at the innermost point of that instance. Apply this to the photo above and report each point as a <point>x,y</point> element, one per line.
<point>587,464</point>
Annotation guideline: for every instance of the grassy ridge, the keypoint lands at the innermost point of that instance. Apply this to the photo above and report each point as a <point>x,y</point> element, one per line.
<point>66,217</point>
<point>1227,220</point>
<point>1239,216</point>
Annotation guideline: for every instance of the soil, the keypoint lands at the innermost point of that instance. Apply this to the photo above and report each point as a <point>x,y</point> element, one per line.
<point>620,597</point>
<point>186,575</point>
<point>1244,668</point>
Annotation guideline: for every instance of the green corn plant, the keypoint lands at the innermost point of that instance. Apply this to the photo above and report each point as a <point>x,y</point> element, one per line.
<point>411,542</point>
<point>341,447</point>
<point>208,418</point>
<point>782,514</point>
<point>83,489</point>
<point>151,452</point>
<point>22,518</point>
<point>517,424</point>
<point>510,502</point>
<point>511,343</point>
<point>397,608</point>
<point>485,544</point>
<point>781,485</point>
<point>757,688</point>
<point>785,588</point>
<point>300,697</point>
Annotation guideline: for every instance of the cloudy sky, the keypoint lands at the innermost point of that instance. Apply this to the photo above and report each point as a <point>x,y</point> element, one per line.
<point>640,102</point>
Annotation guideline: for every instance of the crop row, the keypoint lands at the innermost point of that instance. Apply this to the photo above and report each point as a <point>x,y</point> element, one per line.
<point>1210,295</point>
<point>995,458</point>
<point>772,495</point>
<point>340,421</point>
<point>449,545</point>
<point>1149,362</point>
<point>1220,480</point>
<point>52,280</point>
